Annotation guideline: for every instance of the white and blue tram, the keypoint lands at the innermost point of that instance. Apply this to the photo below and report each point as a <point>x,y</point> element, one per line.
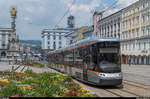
<point>93,60</point>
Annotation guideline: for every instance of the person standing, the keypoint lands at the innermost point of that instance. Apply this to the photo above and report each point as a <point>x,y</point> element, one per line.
<point>129,62</point>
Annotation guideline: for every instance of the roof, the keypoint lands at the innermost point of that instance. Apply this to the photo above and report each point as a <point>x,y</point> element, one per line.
<point>5,29</point>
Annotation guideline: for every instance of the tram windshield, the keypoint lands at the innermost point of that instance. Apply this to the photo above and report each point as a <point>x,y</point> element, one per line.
<point>109,57</point>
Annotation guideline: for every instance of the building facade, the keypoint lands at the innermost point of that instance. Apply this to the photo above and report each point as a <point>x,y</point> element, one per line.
<point>71,37</point>
<point>110,26</point>
<point>132,26</point>
<point>79,34</point>
<point>135,38</point>
<point>53,39</point>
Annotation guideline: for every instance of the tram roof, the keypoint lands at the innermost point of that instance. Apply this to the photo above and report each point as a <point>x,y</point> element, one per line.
<point>87,41</point>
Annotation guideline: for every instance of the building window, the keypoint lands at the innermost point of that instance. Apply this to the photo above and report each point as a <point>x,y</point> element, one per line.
<point>54,37</point>
<point>137,32</point>
<point>122,46</point>
<point>129,34</point>
<point>143,6</point>
<point>143,19</point>
<point>129,46</point>
<point>143,31</point>
<point>133,33</point>
<point>133,21</point>
<point>48,42</point>
<point>59,37</point>
<point>126,35</point>
<point>137,19</point>
<point>148,17</point>
<point>139,45</point>
<point>130,22</point>
<point>3,45</point>
<point>59,42</point>
<point>48,37</point>
<point>148,30</point>
<point>133,45</point>
<point>54,45</point>
<point>144,45</point>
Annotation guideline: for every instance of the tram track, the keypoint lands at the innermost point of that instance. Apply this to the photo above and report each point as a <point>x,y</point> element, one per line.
<point>137,84</point>
<point>121,93</point>
<point>129,90</point>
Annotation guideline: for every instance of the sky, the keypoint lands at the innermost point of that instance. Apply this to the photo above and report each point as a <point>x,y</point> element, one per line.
<point>35,15</point>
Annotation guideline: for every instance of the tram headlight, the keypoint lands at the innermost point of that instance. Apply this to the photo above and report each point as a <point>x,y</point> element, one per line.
<point>102,75</point>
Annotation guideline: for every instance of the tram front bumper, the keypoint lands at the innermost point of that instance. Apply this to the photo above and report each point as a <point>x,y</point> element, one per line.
<point>110,79</point>
<point>110,82</point>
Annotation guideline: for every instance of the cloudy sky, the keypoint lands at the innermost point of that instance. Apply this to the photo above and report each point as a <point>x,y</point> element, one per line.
<point>35,15</point>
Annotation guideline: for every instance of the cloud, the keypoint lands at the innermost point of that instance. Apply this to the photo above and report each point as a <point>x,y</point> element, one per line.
<point>83,12</point>
<point>35,15</point>
<point>120,4</point>
<point>125,3</point>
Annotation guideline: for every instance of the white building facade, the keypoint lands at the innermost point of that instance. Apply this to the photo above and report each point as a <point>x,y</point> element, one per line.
<point>53,39</point>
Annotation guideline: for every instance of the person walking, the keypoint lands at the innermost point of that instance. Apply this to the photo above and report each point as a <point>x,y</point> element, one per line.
<point>129,62</point>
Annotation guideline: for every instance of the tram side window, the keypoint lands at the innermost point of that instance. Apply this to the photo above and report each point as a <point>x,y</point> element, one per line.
<point>65,58</point>
<point>89,59</point>
<point>71,58</point>
<point>60,58</point>
<point>78,60</point>
<point>56,58</point>
<point>68,58</point>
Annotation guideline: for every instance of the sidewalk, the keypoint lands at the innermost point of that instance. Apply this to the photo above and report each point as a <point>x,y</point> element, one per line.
<point>137,73</point>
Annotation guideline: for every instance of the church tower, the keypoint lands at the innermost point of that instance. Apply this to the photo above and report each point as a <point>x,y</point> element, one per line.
<point>70,21</point>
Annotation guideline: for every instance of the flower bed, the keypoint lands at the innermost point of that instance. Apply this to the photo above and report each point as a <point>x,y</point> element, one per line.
<point>30,84</point>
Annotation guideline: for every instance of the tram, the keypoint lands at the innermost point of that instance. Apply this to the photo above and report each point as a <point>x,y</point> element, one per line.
<point>93,60</point>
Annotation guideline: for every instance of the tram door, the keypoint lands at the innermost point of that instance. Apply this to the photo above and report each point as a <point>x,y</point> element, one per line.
<point>85,63</point>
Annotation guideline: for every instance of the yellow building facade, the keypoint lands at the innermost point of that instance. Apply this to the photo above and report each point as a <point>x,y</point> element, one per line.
<point>135,36</point>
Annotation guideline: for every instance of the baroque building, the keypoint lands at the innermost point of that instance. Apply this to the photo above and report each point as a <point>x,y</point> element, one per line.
<point>135,39</point>
<point>110,26</point>
<point>132,26</point>
<point>9,41</point>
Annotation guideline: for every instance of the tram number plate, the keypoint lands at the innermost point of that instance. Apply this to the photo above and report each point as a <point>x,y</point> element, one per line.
<point>78,74</point>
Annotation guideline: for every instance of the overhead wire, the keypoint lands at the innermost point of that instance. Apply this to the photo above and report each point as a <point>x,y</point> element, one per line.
<point>73,2</point>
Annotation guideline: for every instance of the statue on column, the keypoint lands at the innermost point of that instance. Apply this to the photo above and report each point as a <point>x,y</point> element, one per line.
<point>13,40</point>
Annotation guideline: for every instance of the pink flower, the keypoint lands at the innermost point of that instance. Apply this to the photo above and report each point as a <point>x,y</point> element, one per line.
<point>15,95</point>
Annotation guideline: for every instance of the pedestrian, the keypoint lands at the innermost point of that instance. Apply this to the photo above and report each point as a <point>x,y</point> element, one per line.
<point>129,62</point>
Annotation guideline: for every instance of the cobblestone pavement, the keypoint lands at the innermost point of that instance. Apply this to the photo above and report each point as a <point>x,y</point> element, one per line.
<point>137,73</point>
